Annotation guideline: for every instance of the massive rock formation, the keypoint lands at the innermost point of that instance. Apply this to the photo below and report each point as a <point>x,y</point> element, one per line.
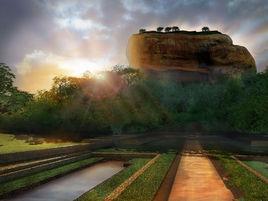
<point>188,55</point>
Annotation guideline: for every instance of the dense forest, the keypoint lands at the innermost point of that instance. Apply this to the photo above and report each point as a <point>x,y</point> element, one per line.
<point>124,100</point>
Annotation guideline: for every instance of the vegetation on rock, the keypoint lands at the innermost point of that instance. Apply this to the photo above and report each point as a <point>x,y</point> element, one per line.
<point>205,29</point>
<point>173,29</point>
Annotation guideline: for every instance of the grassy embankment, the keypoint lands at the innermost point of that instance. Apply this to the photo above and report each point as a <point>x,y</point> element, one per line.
<point>259,166</point>
<point>9,144</point>
<point>35,179</point>
<point>104,189</point>
<point>145,187</point>
<point>252,188</point>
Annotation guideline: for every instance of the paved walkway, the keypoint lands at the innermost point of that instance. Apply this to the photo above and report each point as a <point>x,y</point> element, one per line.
<point>197,179</point>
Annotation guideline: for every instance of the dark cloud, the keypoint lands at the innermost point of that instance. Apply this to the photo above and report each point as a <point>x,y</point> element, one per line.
<point>99,29</point>
<point>23,27</point>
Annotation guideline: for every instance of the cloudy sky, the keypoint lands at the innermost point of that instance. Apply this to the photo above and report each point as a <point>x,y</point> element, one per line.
<point>41,39</point>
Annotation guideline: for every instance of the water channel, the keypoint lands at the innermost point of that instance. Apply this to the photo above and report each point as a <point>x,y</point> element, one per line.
<point>71,186</point>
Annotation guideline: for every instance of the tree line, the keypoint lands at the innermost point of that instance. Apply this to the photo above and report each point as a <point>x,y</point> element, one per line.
<point>172,29</point>
<point>131,102</point>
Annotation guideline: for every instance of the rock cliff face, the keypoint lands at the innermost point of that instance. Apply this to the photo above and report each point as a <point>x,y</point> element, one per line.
<point>188,55</point>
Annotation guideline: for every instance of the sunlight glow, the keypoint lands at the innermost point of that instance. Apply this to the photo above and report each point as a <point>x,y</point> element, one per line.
<point>100,76</point>
<point>78,66</point>
<point>37,69</point>
<point>71,66</point>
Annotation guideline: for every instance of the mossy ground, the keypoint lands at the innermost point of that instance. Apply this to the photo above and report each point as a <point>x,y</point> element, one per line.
<point>259,166</point>
<point>253,188</point>
<point>145,186</point>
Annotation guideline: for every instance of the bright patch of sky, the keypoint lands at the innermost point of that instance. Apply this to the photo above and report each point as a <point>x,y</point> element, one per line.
<point>74,66</point>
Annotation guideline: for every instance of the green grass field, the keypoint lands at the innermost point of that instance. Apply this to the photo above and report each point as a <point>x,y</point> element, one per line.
<point>9,144</point>
<point>259,166</point>
<point>145,186</point>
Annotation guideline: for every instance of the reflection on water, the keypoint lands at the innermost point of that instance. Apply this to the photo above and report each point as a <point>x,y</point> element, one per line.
<point>72,185</point>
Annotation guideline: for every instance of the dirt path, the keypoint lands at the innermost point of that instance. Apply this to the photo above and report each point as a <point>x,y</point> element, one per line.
<point>197,179</point>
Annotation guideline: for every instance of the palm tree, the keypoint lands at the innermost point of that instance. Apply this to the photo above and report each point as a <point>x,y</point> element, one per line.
<point>205,29</point>
<point>167,29</point>
<point>175,28</point>
<point>160,29</point>
<point>142,30</point>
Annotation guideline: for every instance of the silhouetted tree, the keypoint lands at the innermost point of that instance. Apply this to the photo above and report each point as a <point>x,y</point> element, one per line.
<point>142,30</point>
<point>11,99</point>
<point>160,29</point>
<point>175,28</point>
<point>167,29</point>
<point>6,79</point>
<point>205,29</point>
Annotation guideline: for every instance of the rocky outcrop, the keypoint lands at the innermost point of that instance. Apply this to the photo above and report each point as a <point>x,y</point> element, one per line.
<point>194,54</point>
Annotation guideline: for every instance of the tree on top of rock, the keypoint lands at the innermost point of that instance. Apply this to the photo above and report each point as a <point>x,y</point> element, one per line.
<point>160,29</point>
<point>175,28</point>
<point>142,30</point>
<point>205,29</point>
<point>167,29</point>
